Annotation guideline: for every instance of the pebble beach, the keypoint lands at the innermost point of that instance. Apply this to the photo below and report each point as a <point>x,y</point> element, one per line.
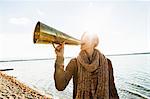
<point>11,88</point>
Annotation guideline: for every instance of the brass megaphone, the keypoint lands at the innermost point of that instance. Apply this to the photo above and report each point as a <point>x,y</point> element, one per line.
<point>44,34</point>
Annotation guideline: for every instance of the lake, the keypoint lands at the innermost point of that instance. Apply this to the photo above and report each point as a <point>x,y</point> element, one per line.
<point>131,72</point>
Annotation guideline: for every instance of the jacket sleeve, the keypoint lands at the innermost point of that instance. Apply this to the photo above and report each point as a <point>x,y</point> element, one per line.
<point>61,76</point>
<point>112,88</point>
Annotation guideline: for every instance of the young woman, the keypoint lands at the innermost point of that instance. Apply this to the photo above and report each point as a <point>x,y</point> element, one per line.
<point>92,72</point>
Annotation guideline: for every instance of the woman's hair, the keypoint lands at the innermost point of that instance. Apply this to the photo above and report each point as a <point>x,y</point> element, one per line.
<point>92,39</point>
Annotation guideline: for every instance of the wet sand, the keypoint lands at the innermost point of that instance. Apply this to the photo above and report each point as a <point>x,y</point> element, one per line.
<point>11,88</point>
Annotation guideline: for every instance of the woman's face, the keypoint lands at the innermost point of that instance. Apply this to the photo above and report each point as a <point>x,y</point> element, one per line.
<point>85,45</point>
<point>88,42</point>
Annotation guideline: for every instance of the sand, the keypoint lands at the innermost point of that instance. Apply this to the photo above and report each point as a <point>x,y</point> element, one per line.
<point>11,88</point>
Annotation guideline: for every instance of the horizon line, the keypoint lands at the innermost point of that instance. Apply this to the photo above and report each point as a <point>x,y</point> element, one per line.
<point>34,59</point>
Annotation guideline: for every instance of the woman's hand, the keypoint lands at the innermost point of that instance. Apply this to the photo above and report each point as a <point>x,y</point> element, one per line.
<point>59,50</point>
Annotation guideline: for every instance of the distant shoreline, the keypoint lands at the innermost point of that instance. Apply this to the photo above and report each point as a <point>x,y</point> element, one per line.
<point>71,57</point>
<point>30,59</point>
<point>128,54</point>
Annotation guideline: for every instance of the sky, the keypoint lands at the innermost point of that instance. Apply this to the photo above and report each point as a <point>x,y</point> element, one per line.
<point>123,26</point>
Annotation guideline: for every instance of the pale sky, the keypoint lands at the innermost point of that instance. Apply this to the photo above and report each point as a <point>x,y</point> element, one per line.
<point>123,25</point>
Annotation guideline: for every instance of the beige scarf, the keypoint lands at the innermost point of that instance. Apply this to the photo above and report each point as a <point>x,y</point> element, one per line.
<point>92,76</point>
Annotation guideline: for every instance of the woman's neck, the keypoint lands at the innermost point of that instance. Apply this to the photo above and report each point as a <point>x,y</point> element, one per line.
<point>90,52</point>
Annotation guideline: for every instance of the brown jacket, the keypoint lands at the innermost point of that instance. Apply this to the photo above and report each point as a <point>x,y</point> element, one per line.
<point>62,77</point>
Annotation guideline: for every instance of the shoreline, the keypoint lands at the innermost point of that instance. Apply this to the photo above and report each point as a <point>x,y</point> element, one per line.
<point>11,88</point>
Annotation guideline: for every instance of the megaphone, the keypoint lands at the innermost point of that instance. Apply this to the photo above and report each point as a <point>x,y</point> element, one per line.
<point>44,34</point>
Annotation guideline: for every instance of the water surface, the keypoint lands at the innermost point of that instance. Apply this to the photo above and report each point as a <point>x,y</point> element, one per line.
<point>131,72</point>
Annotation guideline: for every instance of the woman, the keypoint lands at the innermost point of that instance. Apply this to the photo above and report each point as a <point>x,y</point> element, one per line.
<point>92,72</point>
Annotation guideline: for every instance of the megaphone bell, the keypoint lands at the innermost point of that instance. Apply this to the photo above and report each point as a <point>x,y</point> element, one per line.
<point>44,34</point>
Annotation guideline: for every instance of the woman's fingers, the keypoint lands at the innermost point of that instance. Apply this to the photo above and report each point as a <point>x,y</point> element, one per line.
<point>60,49</point>
<point>63,43</point>
<point>60,46</point>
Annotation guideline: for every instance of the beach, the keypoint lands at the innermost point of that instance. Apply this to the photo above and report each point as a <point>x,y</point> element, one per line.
<point>11,88</point>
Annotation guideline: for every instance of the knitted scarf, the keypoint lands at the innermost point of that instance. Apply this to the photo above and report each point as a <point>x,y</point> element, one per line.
<point>92,76</point>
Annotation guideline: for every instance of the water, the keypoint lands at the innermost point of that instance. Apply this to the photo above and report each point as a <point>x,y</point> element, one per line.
<point>131,72</point>
<point>132,76</point>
